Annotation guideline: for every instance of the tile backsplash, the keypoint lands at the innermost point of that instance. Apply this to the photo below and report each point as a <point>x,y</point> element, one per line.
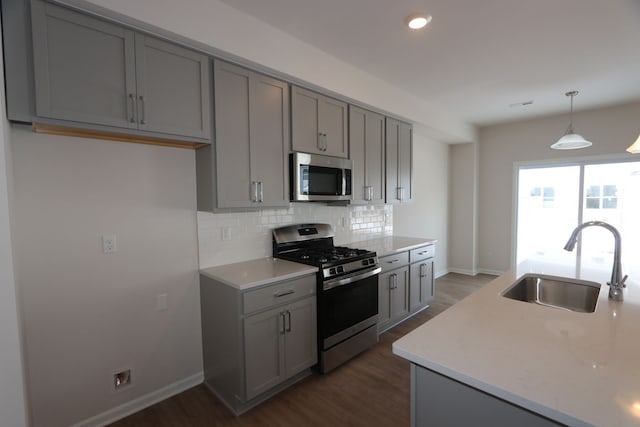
<point>225,238</point>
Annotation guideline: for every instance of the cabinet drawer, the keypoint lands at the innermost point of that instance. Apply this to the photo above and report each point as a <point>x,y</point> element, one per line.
<point>278,293</point>
<point>424,252</point>
<point>390,262</point>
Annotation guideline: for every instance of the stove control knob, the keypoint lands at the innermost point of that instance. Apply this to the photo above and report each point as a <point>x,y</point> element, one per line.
<point>340,269</point>
<point>332,271</point>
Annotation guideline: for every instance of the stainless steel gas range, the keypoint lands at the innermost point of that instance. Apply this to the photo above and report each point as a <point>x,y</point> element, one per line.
<point>347,282</point>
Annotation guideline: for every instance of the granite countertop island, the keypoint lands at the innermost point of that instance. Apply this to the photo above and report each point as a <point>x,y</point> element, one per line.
<point>578,369</point>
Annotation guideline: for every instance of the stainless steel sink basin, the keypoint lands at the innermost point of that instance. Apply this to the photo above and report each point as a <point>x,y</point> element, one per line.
<point>555,292</point>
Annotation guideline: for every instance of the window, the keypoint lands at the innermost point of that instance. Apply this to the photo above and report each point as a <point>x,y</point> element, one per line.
<point>601,197</point>
<point>553,200</point>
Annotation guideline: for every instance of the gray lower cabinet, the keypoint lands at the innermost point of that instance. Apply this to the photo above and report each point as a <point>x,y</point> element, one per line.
<point>439,401</point>
<point>399,155</point>
<point>421,278</point>
<point>318,124</point>
<point>247,167</point>
<point>279,344</point>
<point>405,285</point>
<point>393,290</point>
<point>94,72</point>
<point>366,149</point>
<point>258,341</point>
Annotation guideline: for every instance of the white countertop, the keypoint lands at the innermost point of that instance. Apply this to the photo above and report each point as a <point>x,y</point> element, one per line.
<point>257,272</point>
<point>391,244</point>
<point>581,369</point>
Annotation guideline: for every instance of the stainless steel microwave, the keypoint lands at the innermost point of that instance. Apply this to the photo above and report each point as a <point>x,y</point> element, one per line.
<point>316,177</point>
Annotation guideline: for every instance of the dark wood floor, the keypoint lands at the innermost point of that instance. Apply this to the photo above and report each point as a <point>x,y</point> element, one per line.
<point>370,390</point>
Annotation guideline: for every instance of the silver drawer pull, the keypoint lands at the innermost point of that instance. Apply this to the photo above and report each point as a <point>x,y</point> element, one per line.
<point>392,261</point>
<point>423,252</point>
<point>283,293</point>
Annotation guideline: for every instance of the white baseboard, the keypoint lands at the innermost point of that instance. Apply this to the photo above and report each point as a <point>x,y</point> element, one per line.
<point>440,274</point>
<point>491,272</point>
<point>119,412</point>
<point>463,271</point>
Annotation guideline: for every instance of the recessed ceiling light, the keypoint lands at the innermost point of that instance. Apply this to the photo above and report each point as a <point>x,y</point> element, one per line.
<point>417,21</point>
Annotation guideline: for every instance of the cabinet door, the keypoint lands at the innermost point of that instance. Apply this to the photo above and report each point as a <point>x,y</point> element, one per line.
<point>385,285</point>
<point>421,284</point>
<point>400,293</point>
<point>357,136</point>
<point>269,139</point>
<point>318,124</point>
<point>415,285</point>
<point>305,108</point>
<point>264,351</point>
<point>366,148</point>
<point>427,282</point>
<point>84,68</point>
<point>301,345</point>
<point>399,146</point>
<point>405,156</point>
<point>374,156</point>
<point>333,124</point>
<point>234,187</point>
<point>173,92</point>
<point>391,152</point>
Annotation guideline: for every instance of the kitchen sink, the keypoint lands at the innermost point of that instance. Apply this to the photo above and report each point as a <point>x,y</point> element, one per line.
<point>556,292</point>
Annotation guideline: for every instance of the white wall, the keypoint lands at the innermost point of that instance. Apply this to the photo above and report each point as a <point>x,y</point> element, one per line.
<point>463,176</point>
<point>427,215</point>
<point>611,130</point>
<point>12,397</point>
<point>87,314</point>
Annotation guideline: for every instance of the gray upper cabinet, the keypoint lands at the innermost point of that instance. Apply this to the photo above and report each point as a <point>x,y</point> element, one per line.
<point>366,147</point>
<point>319,124</point>
<point>399,146</point>
<point>251,142</point>
<point>172,88</point>
<point>90,71</point>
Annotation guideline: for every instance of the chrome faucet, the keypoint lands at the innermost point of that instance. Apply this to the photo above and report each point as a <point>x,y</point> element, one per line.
<point>617,281</point>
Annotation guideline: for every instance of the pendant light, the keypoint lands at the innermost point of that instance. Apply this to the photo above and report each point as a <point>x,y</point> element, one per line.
<point>571,140</point>
<point>635,147</point>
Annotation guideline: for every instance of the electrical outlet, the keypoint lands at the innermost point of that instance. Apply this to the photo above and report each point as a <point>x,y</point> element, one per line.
<point>109,244</point>
<point>121,379</point>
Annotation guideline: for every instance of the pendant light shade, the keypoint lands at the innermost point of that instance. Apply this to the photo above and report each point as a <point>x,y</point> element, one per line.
<point>571,140</point>
<point>635,147</point>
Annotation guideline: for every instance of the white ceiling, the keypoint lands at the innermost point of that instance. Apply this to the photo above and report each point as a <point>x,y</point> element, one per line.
<point>478,56</point>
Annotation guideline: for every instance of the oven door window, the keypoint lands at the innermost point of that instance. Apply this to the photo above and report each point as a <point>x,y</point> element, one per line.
<point>320,181</point>
<point>344,306</point>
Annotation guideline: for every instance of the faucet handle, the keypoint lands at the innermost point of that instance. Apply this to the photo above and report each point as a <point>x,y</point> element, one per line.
<point>624,279</point>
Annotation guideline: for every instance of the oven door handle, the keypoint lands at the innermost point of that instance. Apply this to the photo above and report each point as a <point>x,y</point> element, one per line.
<point>350,279</point>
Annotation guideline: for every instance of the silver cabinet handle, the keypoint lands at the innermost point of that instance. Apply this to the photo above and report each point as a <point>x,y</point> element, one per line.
<point>322,141</point>
<point>143,118</point>
<point>393,261</point>
<point>423,252</point>
<point>284,293</point>
<point>393,281</point>
<point>254,191</point>
<point>368,192</point>
<point>133,108</point>
<point>288,328</point>
<point>261,198</point>
<point>423,271</point>
<point>282,327</point>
